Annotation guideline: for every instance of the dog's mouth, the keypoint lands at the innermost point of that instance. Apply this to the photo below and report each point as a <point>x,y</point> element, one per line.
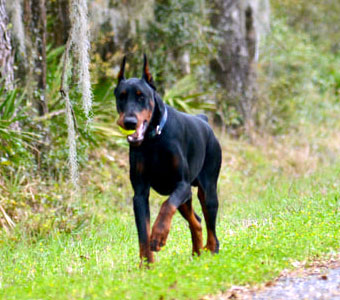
<point>137,137</point>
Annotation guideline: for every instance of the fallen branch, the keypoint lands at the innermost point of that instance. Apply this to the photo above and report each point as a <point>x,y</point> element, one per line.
<point>49,115</point>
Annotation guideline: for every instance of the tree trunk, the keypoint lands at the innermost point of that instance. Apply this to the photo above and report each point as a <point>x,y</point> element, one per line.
<point>35,31</point>
<point>35,21</point>
<point>6,55</point>
<point>39,27</point>
<point>233,68</point>
<point>61,24</point>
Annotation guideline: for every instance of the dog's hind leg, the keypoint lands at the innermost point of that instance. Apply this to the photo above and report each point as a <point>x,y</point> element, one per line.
<point>194,221</point>
<point>209,202</point>
<point>207,192</point>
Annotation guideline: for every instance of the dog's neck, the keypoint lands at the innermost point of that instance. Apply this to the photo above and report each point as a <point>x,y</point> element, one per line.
<point>159,117</point>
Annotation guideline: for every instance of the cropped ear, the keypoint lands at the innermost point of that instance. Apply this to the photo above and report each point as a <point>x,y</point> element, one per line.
<point>146,73</point>
<point>122,70</point>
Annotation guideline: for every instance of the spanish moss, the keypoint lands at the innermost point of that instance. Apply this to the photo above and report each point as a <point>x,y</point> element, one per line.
<point>81,44</point>
<point>15,10</point>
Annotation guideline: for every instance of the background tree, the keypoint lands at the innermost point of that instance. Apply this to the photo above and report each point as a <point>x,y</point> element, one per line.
<point>6,56</point>
<point>60,24</point>
<point>15,10</point>
<point>234,65</point>
<point>35,23</point>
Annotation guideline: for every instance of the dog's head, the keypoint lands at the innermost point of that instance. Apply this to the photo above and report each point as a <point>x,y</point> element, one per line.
<point>135,101</point>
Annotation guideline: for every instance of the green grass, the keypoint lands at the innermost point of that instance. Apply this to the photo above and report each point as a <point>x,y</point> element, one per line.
<point>267,221</point>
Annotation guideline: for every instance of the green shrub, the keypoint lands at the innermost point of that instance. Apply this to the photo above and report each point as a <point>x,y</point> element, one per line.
<point>297,80</point>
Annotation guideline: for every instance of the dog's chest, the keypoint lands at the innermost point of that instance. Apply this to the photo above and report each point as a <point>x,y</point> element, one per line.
<point>162,169</point>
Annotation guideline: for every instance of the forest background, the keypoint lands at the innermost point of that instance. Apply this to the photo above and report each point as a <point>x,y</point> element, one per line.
<point>265,72</point>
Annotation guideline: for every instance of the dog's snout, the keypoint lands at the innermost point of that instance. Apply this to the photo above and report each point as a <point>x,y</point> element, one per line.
<point>130,122</point>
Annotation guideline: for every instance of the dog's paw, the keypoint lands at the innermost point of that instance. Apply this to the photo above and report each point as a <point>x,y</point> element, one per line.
<point>214,248</point>
<point>158,239</point>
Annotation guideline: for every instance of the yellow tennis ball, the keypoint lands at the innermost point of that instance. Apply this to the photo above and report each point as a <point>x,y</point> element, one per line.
<point>125,131</point>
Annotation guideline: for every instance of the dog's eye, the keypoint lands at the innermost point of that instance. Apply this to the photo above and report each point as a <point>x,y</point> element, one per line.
<point>141,98</point>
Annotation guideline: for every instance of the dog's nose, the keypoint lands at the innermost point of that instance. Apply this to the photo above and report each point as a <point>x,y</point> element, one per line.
<point>130,122</point>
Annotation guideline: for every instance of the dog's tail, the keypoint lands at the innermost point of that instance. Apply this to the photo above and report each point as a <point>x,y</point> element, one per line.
<point>203,117</point>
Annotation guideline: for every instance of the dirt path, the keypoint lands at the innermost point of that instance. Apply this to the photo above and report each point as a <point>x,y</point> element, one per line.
<point>321,280</point>
<point>312,287</point>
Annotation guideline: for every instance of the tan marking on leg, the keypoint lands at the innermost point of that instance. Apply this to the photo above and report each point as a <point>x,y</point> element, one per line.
<point>211,241</point>
<point>195,227</point>
<point>161,227</point>
<point>144,249</point>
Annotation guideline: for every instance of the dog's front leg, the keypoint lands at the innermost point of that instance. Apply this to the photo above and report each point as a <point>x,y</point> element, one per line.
<point>161,228</point>
<point>142,217</point>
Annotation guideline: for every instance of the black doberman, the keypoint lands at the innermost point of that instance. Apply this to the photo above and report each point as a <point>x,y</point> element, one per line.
<point>170,151</point>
